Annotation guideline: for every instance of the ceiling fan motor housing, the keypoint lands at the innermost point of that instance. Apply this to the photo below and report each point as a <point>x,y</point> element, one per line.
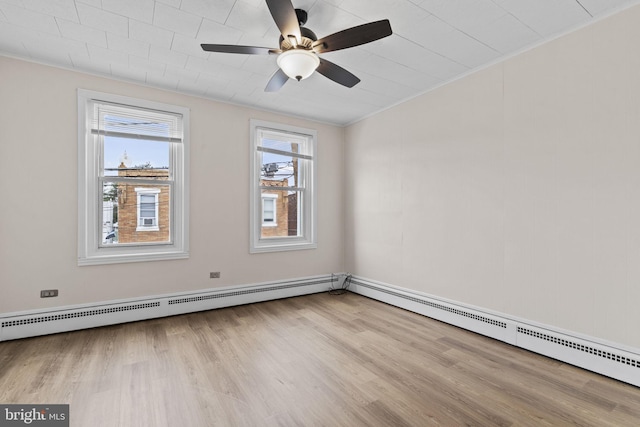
<point>308,37</point>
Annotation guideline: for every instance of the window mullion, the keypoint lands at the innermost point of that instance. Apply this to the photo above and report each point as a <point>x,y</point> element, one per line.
<point>268,187</point>
<point>284,153</point>
<point>130,180</point>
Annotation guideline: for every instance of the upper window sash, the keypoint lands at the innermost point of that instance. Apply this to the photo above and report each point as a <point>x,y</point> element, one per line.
<point>126,121</point>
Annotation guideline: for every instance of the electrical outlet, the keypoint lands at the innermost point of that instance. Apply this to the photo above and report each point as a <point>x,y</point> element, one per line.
<point>214,275</point>
<point>48,293</point>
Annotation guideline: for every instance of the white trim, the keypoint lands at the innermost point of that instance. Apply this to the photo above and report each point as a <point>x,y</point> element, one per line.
<point>90,248</point>
<point>307,219</point>
<point>84,316</point>
<point>610,359</point>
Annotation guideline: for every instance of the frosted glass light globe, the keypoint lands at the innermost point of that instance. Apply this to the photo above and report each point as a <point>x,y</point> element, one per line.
<point>298,63</point>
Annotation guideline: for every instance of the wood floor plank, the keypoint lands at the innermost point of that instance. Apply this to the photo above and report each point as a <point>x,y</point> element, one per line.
<point>317,360</point>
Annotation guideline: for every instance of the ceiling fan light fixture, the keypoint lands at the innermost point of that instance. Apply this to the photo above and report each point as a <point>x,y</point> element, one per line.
<point>298,63</point>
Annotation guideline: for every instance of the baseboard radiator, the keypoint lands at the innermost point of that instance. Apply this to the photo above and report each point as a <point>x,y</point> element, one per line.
<point>64,319</point>
<point>588,353</point>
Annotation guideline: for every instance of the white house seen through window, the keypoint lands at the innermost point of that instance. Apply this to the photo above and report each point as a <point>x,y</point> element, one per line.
<point>269,215</point>
<point>148,208</point>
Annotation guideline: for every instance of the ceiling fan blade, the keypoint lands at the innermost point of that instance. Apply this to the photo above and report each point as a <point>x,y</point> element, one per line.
<point>337,73</point>
<point>231,48</point>
<point>278,80</point>
<point>353,36</point>
<point>284,15</point>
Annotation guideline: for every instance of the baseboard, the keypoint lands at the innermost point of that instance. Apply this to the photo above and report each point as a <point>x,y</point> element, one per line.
<point>70,318</point>
<point>589,353</point>
<point>614,361</point>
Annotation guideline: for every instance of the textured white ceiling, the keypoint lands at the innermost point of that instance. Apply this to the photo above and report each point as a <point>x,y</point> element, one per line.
<point>157,42</point>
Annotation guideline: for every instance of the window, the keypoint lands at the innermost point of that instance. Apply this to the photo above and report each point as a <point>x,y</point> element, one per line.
<point>269,217</point>
<point>283,206</point>
<point>147,206</point>
<point>132,180</point>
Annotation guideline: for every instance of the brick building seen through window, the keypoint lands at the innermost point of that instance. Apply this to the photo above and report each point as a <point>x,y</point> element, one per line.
<point>279,209</point>
<point>143,210</point>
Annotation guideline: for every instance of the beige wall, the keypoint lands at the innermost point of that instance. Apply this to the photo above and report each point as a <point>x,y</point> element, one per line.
<point>38,208</point>
<point>515,189</point>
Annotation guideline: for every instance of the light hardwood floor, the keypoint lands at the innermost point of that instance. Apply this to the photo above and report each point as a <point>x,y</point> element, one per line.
<point>317,360</point>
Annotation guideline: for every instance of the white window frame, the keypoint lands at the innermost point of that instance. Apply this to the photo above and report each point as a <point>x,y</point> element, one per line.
<point>272,198</point>
<point>91,251</point>
<point>308,217</point>
<point>155,192</point>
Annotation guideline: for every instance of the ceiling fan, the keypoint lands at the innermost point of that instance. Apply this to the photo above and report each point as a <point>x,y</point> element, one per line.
<point>299,47</point>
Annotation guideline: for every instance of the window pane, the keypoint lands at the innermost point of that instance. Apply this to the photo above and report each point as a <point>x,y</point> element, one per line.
<point>124,222</point>
<point>286,207</point>
<point>123,120</point>
<point>268,210</point>
<point>147,206</point>
<point>283,169</point>
<point>136,158</point>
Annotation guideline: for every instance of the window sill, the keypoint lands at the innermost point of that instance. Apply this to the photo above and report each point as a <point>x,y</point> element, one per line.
<point>125,258</point>
<point>148,228</point>
<point>280,247</point>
